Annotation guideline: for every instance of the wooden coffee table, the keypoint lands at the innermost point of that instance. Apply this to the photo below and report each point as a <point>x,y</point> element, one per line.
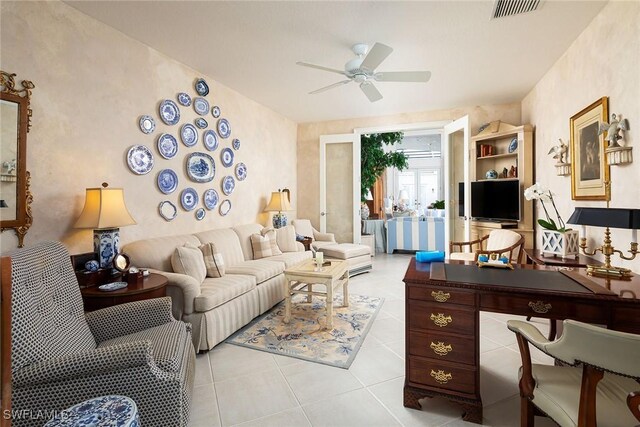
<point>301,278</point>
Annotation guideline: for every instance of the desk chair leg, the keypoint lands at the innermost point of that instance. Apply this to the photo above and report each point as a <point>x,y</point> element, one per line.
<point>527,412</point>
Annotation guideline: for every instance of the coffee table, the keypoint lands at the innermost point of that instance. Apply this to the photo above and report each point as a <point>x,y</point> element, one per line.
<point>301,278</point>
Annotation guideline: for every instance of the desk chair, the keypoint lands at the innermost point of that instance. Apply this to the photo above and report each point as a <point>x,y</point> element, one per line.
<point>602,392</point>
<point>503,242</point>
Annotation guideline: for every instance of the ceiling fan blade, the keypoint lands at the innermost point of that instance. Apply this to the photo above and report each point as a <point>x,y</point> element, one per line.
<point>371,91</point>
<point>322,89</point>
<point>320,67</point>
<point>403,76</point>
<point>376,55</point>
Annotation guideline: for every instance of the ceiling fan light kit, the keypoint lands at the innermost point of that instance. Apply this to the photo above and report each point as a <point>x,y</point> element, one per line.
<point>361,69</point>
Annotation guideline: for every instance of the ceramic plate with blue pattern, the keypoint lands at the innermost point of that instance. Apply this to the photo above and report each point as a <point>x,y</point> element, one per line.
<point>225,207</point>
<point>167,181</point>
<point>189,134</point>
<point>147,124</point>
<point>228,184</point>
<point>200,214</point>
<point>140,159</point>
<point>184,99</point>
<point>236,144</point>
<point>201,106</point>
<point>188,199</point>
<point>210,140</point>
<point>167,146</point>
<point>169,112</point>
<point>224,129</point>
<point>210,198</point>
<point>202,88</point>
<point>226,157</point>
<point>215,111</point>
<point>201,123</point>
<point>200,167</point>
<point>241,171</point>
<point>513,145</point>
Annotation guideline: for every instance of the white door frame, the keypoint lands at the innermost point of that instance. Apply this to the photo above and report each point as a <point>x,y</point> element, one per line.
<point>344,138</point>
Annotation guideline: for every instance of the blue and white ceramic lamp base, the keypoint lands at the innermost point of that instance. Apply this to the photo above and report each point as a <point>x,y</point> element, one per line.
<point>106,243</point>
<point>279,220</point>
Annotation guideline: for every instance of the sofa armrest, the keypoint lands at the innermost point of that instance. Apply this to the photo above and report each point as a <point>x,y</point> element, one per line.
<point>128,318</point>
<point>299,247</point>
<point>100,361</point>
<point>324,237</point>
<point>182,289</point>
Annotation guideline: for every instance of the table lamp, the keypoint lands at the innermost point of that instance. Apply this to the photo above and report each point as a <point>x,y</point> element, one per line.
<point>403,199</point>
<point>104,211</point>
<point>278,203</point>
<point>608,218</point>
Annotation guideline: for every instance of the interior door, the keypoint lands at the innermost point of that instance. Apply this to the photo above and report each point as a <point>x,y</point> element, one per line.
<point>340,186</point>
<point>456,170</point>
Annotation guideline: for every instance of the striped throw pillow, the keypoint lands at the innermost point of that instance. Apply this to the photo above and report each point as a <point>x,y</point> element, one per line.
<point>212,260</point>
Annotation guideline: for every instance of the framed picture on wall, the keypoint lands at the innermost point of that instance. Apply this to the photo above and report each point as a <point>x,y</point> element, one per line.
<point>589,169</point>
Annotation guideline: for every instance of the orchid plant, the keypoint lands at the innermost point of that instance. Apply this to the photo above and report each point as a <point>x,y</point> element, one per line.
<point>539,192</point>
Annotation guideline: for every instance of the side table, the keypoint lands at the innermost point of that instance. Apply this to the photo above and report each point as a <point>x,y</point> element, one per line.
<point>152,286</point>
<point>307,243</point>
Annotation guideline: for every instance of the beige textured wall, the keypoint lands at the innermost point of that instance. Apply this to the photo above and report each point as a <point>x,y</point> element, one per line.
<point>603,61</point>
<point>309,142</point>
<point>92,83</point>
<point>339,190</point>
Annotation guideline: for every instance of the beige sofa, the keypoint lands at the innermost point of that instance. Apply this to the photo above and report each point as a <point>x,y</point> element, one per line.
<point>217,307</point>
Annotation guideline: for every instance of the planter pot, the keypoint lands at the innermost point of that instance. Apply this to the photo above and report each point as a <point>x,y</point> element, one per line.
<point>564,244</point>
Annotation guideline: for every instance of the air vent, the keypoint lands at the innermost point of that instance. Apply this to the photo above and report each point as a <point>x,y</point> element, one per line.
<point>502,8</point>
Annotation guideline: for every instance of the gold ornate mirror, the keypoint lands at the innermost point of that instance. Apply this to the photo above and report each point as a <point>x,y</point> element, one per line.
<point>15,120</point>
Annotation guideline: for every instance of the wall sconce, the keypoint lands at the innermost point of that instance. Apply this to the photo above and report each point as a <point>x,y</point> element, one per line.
<point>616,153</point>
<point>559,151</point>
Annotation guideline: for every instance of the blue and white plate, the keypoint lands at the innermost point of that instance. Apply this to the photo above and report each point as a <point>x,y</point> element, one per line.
<point>202,87</point>
<point>225,207</point>
<point>167,210</point>
<point>140,159</point>
<point>241,171</point>
<point>147,124</point>
<point>224,129</point>
<point>167,181</point>
<point>210,198</point>
<point>226,157</point>
<point>200,167</point>
<point>228,184</point>
<point>200,214</point>
<point>188,199</point>
<point>201,106</point>
<point>184,99</point>
<point>215,111</point>
<point>167,146</point>
<point>189,134</point>
<point>201,123</point>
<point>210,140</point>
<point>236,144</point>
<point>169,112</point>
<point>513,145</point>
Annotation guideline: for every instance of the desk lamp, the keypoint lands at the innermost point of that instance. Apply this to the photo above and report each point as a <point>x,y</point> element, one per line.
<point>608,218</point>
<point>104,211</point>
<point>279,202</point>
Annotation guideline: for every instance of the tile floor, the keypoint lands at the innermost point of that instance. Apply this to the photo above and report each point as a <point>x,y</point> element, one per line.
<point>237,386</point>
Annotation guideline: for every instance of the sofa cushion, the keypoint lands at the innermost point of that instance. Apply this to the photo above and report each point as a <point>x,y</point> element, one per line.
<point>264,244</point>
<point>291,258</point>
<point>213,260</point>
<point>345,250</point>
<point>286,238</point>
<point>227,243</point>
<point>156,253</point>
<point>188,260</point>
<point>262,270</point>
<point>244,233</point>
<point>215,292</point>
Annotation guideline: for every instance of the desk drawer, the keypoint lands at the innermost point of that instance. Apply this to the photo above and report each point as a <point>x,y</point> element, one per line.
<point>441,295</point>
<point>444,318</point>
<point>442,375</point>
<point>545,306</point>
<point>442,346</point>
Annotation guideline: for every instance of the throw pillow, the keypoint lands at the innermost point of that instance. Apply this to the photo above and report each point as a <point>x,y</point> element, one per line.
<point>188,260</point>
<point>212,260</point>
<point>286,239</point>
<point>273,240</point>
<point>264,244</point>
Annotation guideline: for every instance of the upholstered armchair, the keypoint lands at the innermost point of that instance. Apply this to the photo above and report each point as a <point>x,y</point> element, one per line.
<point>304,227</point>
<point>503,242</point>
<point>599,388</point>
<point>61,356</point>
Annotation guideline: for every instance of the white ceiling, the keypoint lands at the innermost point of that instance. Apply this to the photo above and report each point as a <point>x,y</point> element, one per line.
<point>252,47</point>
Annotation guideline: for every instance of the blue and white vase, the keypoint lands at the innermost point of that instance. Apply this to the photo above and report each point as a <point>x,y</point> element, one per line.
<point>106,243</point>
<point>279,220</point>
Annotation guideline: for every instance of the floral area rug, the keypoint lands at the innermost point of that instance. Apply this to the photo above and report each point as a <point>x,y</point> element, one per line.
<point>304,337</point>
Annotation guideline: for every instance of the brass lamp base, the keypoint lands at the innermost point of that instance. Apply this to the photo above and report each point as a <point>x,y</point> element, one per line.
<point>615,272</point>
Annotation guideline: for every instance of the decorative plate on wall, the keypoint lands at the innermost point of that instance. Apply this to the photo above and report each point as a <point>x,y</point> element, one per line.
<point>225,207</point>
<point>210,140</point>
<point>236,144</point>
<point>169,112</point>
<point>201,106</point>
<point>140,159</point>
<point>226,157</point>
<point>201,123</point>
<point>210,198</point>
<point>167,210</point>
<point>184,99</point>
<point>224,129</point>
<point>188,199</point>
<point>215,111</point>
<point>167,146</point>
<point>241,171</point>
<point>147,124</point>
<point>167,181</point>
<point>202,87</point>
<point>513,145</point>
<point>200,167</point>
<point>228,184</point>
<point>200,214</point>
<point>189,134</point>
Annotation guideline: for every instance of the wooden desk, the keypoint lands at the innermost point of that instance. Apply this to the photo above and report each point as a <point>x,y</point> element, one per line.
<point>442,320</point>
<point>535,256</point>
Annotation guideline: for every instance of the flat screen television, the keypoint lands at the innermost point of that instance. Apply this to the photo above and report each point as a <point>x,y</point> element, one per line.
<point>496,200</point>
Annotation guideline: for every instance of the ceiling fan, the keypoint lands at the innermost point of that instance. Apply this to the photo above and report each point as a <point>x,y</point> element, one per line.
<point>362,70</point>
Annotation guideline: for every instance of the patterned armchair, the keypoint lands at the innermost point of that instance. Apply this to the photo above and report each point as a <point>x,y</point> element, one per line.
<point>61,356</point>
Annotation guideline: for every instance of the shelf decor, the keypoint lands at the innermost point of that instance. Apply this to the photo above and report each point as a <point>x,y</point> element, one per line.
<point>616,153</point>
<point>559,151</point>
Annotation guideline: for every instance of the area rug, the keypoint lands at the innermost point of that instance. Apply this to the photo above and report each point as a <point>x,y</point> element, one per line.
<point>305,337</point>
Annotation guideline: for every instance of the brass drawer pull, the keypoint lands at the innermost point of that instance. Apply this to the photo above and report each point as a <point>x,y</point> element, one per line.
<point>440,296</point>
<point>539,307</point>
<point>441,376</point>
<point>441,320</point>
<point>441,349</point>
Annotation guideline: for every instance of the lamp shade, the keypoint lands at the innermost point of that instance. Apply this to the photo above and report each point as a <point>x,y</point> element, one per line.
<point>404,195</point>
<point>368,195</point>
<point>104,208</point>
<point>278,203</point>
<point>606,217</point>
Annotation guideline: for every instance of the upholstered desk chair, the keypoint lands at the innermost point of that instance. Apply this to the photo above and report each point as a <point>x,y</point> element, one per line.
<point>304,227</point>
<point>602,392</point>
<point>61,356</point>
<point>503,242</point>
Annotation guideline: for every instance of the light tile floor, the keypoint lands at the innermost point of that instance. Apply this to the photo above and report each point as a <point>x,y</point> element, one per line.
<point>237,386</point>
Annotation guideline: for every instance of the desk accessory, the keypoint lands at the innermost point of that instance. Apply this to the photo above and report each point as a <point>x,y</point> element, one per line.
<point>429,256</point>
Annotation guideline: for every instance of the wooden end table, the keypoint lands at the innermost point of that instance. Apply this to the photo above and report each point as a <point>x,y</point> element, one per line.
<point>301,278</point>
<point>152,286</point>
<point>307,243</point>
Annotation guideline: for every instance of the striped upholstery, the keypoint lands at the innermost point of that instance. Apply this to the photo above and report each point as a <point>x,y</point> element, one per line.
<point>412,234</point>
<point>213,260</point>
<point>261,269</point>
<point>292,258</point>
<point>215,292</point>
<point>227,243</point>
<point>286,239</point>
<point>271,292</point>
<point>156,252</point>
<point>244,233</point>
